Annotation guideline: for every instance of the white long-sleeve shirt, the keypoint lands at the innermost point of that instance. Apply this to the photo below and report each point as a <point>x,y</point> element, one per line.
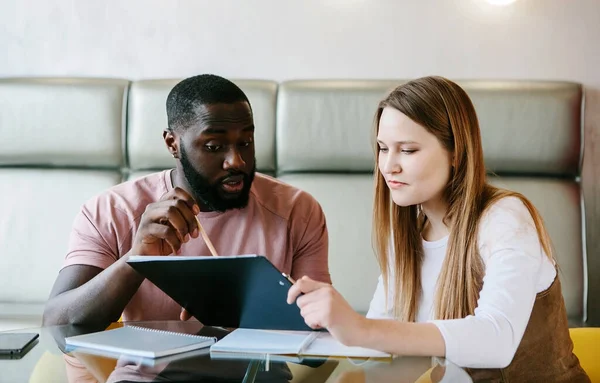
<point>516,269</point>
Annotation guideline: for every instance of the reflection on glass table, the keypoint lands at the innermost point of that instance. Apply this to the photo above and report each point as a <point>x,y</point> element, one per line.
<point>49,361</point>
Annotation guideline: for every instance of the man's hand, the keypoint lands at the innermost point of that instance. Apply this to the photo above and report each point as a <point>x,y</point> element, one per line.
<point>322,306</point>
<point>166,225</point>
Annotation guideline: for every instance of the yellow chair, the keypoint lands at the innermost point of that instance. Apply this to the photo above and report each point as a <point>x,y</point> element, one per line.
<point>586,345</point>
<point>426,377</point>
<point>305,374</point>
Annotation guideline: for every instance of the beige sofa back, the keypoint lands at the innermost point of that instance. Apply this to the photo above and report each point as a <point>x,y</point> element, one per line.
<point>61,144</point>
<point>67,139</point>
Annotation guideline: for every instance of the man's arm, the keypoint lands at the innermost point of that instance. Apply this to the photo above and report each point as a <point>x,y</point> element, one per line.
<point>86,294</point>
<point>89,295</point>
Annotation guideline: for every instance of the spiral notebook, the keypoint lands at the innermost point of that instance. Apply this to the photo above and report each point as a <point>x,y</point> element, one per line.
<point>139,341</point>
<point>301,343</point>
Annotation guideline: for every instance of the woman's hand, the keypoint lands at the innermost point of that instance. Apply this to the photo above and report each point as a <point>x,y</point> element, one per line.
<point>322,306</point>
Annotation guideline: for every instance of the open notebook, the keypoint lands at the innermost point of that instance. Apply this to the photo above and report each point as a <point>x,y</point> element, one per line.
<point>138,341</point>
<point>301,343</point>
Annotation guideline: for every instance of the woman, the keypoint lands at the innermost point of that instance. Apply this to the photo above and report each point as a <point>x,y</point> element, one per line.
<point>467,271</point>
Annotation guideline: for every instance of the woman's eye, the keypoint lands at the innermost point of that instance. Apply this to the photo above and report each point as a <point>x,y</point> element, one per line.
<point>383,150</point>
<point>408,151</point>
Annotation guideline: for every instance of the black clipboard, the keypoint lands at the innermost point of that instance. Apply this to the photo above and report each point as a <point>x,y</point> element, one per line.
<point>245,291</point>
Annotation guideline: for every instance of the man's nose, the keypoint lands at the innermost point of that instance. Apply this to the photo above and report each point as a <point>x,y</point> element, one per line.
<point>233,160</point>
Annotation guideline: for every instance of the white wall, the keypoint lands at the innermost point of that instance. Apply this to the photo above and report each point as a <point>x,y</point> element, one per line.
<point>302,39</point>
<point>285,39</point>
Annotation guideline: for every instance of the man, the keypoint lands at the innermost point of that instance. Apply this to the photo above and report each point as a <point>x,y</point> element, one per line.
<point>211,135</point>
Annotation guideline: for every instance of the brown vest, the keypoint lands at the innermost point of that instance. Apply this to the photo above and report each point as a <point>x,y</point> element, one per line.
<point>545,353</point>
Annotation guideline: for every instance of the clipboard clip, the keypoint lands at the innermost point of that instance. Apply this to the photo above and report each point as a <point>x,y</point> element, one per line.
<point>290,279</point>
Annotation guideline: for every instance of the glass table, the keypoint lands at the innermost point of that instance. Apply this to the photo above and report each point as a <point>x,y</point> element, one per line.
<point>49,361</point>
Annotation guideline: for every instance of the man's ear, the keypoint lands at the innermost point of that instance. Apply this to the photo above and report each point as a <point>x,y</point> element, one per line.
<point>171,142</point>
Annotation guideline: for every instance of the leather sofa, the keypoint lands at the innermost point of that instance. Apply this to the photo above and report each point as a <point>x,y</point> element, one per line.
<point>66,139</point>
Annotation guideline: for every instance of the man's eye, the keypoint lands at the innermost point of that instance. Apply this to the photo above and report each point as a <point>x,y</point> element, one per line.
<point>245,144</point>
<point>212,148</point>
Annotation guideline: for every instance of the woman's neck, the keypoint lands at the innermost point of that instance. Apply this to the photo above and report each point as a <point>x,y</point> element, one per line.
<point>435,228</point>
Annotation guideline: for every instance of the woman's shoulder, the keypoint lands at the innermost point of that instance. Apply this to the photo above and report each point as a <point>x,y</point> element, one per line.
<point>507,221</point>
<point>508,233</point>
<point>508,210</point>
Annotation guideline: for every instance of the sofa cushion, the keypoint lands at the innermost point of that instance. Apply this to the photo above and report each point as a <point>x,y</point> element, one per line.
<point>37,215</point>
<point>327,125</point>
<point>62,122</point>
<point>529,127</point>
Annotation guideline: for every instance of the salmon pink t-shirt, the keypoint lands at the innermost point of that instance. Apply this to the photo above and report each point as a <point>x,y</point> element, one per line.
<point>281,222</point>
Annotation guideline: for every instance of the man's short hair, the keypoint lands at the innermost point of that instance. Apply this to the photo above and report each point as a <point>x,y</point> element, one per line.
<point>205,89</point>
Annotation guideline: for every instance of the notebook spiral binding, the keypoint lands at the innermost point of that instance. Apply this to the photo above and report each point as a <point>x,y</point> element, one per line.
<point>172,333</point>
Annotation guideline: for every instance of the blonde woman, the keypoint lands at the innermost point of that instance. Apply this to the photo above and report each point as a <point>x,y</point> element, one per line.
<point>467,270</point>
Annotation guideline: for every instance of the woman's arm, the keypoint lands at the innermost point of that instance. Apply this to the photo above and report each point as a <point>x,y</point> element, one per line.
<point>401,338</point>
<point>323,307</point>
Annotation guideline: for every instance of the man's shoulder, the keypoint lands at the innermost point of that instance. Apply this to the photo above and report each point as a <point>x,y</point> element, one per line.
<point>131,197</point>
<point>282,199</point>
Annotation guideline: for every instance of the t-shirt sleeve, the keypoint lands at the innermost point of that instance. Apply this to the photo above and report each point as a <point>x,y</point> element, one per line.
<point>513,259</point>
<point>310,241</point>
<point>93,239</point>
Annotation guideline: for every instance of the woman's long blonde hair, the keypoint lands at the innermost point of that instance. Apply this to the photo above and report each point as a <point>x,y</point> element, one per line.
<point>445,110</point>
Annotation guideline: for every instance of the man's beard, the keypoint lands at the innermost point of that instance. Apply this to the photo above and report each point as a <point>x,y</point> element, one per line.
<point>212,195</point>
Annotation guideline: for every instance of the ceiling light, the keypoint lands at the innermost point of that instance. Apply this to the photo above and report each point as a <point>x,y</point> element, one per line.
<point>500,2</point>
